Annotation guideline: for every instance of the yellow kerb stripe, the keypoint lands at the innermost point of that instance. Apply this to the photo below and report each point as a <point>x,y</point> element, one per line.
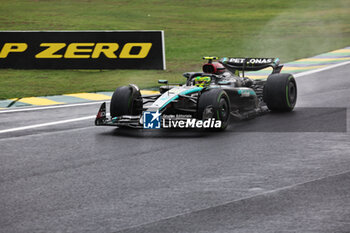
<point>147,92</point>
<point>341,51</point>
<point>38,101</point>
<point>257,76</point>
<point>325,59</point>
<point>301,68</point>
<point>90,96</point>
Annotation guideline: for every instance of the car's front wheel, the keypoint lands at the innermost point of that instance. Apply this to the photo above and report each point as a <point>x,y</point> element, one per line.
<point>214,103</point>
<point>126,100</point>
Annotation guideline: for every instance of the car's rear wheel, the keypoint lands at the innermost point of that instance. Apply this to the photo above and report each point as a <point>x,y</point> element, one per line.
<point>126,100</point>
<point>280,92</point>
<point>214,103</point>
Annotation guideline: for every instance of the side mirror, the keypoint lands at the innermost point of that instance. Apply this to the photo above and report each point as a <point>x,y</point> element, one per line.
<point>163,81</point>
<point>249,83</point>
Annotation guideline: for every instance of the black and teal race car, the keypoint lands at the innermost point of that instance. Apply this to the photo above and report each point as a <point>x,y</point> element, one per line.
<point>220,92</point>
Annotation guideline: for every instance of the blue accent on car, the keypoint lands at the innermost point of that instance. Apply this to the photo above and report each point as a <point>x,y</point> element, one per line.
<point>186,92</point>
<point>241,91</point>
<point>224,82</point>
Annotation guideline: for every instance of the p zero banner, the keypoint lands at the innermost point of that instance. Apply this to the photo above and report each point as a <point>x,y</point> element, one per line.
<point>82,49</point>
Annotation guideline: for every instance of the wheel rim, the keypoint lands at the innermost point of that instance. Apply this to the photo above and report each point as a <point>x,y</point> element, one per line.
<point>292,92</point>
<point>223,110</point>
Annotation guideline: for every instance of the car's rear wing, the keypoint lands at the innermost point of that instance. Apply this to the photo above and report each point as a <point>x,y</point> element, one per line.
<point>251,64</point>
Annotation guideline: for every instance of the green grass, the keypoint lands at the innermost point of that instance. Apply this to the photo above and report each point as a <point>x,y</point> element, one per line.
<point>193,28</point>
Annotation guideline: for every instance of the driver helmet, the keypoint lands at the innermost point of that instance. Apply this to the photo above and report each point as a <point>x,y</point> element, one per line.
<point>200,81</point>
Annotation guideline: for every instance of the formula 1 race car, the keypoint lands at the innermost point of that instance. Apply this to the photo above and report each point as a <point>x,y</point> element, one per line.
<point>219,92</point>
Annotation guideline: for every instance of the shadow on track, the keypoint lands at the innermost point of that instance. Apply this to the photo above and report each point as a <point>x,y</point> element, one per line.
<point>306,120</point>
<point>300,120</point>
<point>160,133</point>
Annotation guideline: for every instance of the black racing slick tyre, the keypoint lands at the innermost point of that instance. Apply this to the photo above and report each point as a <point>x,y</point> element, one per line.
<point>280,92</point>
<point>126,100</point>
<point>214,103</point>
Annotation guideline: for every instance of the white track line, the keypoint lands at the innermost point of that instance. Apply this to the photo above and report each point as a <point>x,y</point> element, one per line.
<point>91,117</point>
<point>320,69</point>
<point>51,107</point>
<point>262,194</point>
<point>47,124</point>
<point>100,102</point>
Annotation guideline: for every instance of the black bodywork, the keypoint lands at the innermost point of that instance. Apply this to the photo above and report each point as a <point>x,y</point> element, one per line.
<point>245,97</point>
<point>245,94</point>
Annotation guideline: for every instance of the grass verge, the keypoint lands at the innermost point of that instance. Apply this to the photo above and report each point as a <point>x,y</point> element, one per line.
<point>193,28</point>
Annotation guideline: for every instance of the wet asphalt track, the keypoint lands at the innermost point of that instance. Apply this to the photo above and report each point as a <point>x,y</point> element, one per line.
<point>275,173</point>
